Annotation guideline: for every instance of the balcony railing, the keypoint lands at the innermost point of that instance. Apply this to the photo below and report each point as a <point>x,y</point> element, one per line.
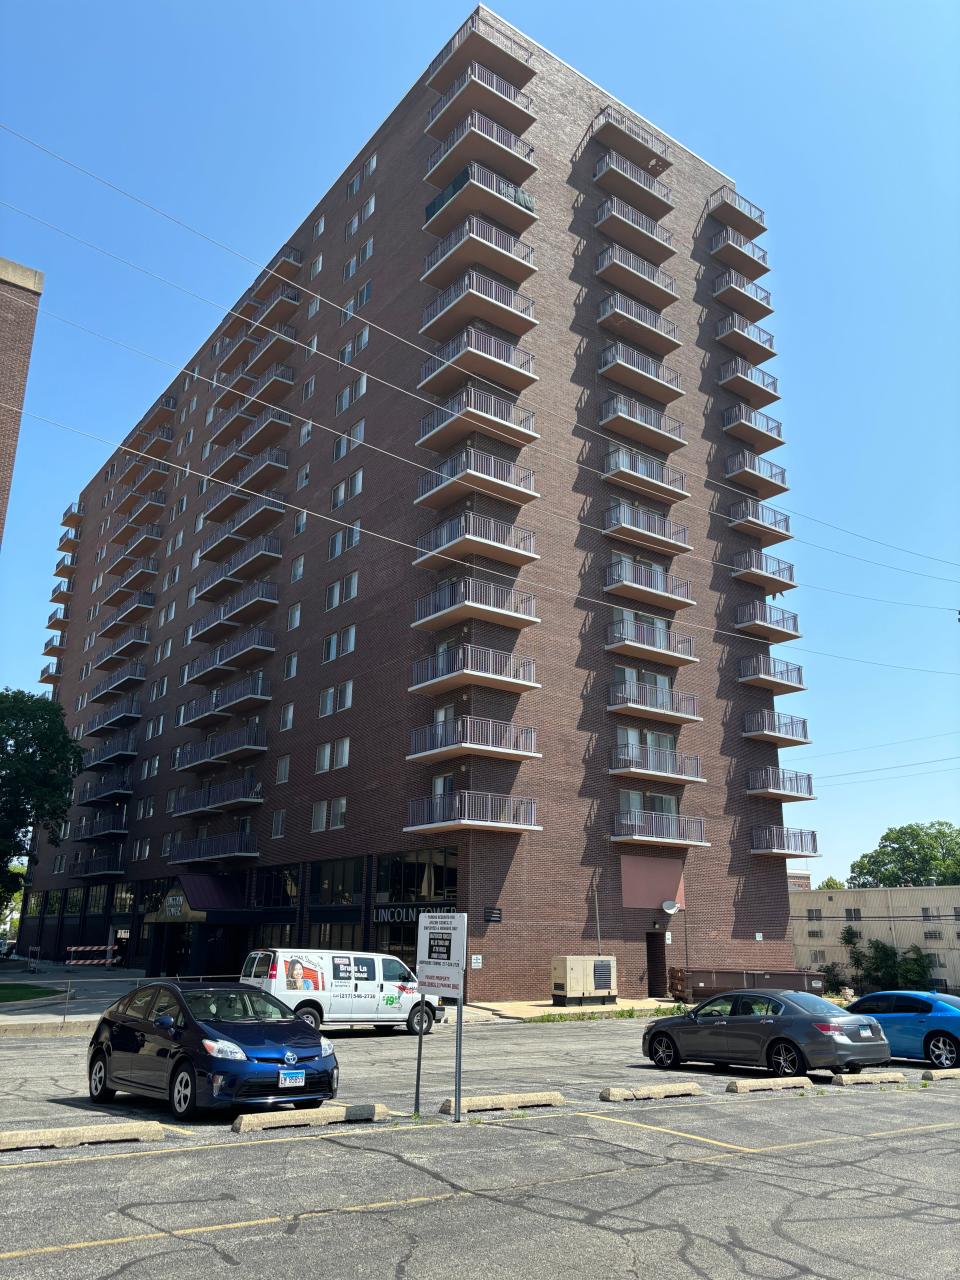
<point>482,528</point>
<point>51,673</point>
<point>476,591</point>
<point>762,422</point>
<point>645,521</point>
<point>778,669</point>
<point>481,808</point>
<point>613,206</point>
<point>486,344</point>
<point>645,467</point>
<point>479,229</point>
<point>66,566</point>
<point>760,513</point>
<point>222,746</point>
<point>476,71</point>
<point>775,722</point>
<point>620,353</point>
<point>613,160</point>
<point>619,304</point>
<point>624,572</point>
<point>655,419</point>
<point>234,844</point>
<point>479,24</point>
<point>255,687</point>
<point>654,760</point>
<point>730,237</point>
<point>217,795</point>
<point>761,467</point>
<point>265,591</point>
<point>474,282</point>
<point>758,563</point>
<point>73,514</point>
<point>283,293</point>
<point>614,116</point>
<point>759,612</point>
<point>483,177</point>
<point>475,120</point>
<point>104,825</point>
<point>475,399</point>
<point>126,709</point>
<point>616,254</point>
<point>474,659</point>
<point>139,600</point>
<point>671,828</point>
<point>115,782</point>
<point>737,324</point>
<point>727,195</point>
<point>256,637</point>
<point>139,635</point>
<point>784,840</point>
<point>740,368</point>
<point>786,780</point>
<point>654,697</point>
<point>124,744</point>
<point>474,731</point>
<point>666,639</point>
<point>483,464</point>
<point>734,280</point>
<point>262,501</point>
<point>102,864</point>
<point>133,672</point>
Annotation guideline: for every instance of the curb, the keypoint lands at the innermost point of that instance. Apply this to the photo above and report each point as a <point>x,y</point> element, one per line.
<point>55,1027</point>
<point>81,1135</point>
<point>59,997</point>
<point>775,1083</point>
<point>943,1073</point>
<point>878,1077</point>
<point>649,1092</point>
<point>352,1113</point>
<point>503,1102</point>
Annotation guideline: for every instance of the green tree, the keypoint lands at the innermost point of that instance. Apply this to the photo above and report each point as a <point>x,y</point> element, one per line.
<point>831,882</point>
<point>915,969</point>
<point>833,976</point>
<point>38,762</point>
<point>914,854</point>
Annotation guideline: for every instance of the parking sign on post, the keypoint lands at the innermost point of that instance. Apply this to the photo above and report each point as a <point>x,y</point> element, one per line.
<point>441,960</point>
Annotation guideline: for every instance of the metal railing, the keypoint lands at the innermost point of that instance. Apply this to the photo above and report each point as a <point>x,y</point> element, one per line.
<point>789,781</point>
<point>222,744</point>
<point>146,532</point>
<point>737,324</point>
<point>734,280</point>
<point>118,710</point>
<point>216,794</point>
<point>731,237</point>
<point>287,254</point>
<point>644,521</point>
<point>643,824</point>
<point>783,840</point>
<point>258,423</point>
<point>744,561</point>
<point>122,744</point>
<point>476,400</point>
<point>636,311</point>
<point>474,659</point>
<point>484,464</point>
<point>613,115</point>
<point>483,75</point>
<point>621,353</point>
<point>727,195</point>
<point>146,564</point>
<point>283,372</point>
<point>285,292</point>
<point>761,664</point>
<point>486,344</point>
<point>643,464</point>
<point>66,562</point>
<point>475,120</point>
<point>61,614</point>
<point>653,697</point>
<point>616,253</point>
<point>73,512</point>
<point>485,528</point>
<point>111,823</point>
<point>747,461</point>
<point>283,331</point>
<point>483,177</point>
<point>473,731</point>
<point>666,639</point>
<point>52,671</point>
<point>776,722</point>
<point>740,368</point>
<point>256,637</point>
<point>613,160</point>
<point>751,509</point>
<point>654,760</point>
<point>735,413</point>
<point>132,671</point>
<point>770,615</point>
<point>473,806</point>
<point>276,457</point>
<point>480,229</point>
<point>270,501</point>
<point>103,864</point>
<point>476,282</point>
<point>627,407</point>
<point>139,634</point>
<point>253,591</point>
<point>257,685</point>
<point>118,780</point>
<point>139,600</point>
<point>650,578</point>
<point>477,22</point>
<point>488,595</point>
<point>613,206</point>
<point>231,845</point>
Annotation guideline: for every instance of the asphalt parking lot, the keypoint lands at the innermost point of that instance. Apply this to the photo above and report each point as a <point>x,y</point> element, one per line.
<point>854,1182</point>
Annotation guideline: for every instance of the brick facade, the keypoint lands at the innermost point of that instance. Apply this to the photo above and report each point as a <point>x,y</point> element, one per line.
<point>20,290</point>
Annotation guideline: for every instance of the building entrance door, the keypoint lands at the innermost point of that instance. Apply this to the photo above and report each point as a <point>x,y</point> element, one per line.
<point>656,965</point>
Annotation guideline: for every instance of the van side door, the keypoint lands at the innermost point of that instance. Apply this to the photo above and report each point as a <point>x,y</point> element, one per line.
<point>340,995</point>
<point>366,988</point>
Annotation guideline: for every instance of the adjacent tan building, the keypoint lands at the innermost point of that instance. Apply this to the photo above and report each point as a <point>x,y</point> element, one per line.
<point>20,290</point>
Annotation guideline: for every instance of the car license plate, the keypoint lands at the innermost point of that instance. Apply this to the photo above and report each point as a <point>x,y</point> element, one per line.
<point>292,1079</point>
<point>866,1032</point>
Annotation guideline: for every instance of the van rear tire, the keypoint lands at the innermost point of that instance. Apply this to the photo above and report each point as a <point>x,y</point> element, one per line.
<point>413,1020</point>
<point>312,1014</point>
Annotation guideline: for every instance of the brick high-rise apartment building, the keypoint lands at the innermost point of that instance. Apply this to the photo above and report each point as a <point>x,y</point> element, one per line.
<point>518,661</point>
<point>20,290</point>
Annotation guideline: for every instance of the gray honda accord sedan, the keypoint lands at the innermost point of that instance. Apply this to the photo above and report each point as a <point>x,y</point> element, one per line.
<point>789,1032</point>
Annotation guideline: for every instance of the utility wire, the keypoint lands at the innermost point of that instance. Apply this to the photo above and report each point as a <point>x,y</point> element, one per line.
<point>884,768</point>
<point>876,746</point>
<point>895,778</point>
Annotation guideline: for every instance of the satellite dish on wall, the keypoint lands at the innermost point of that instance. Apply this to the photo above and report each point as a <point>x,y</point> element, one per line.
<point>670,907</point>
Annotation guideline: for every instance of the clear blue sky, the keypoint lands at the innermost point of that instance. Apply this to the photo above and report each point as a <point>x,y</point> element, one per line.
<point>839,119</point>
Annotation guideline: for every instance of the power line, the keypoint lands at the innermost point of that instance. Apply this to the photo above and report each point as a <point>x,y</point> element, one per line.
<point>453,560</point>
<point>414,345</point>
<point>884,768</point>
<point>876,746</point>
<point>895,778</point>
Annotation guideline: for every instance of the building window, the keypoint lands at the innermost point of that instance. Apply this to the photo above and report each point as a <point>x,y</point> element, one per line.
<point>368,207</point>
<point>290,666</point>
<point>366,251</point>
<point>279,823</point>
<point>343,540</point>
<point>324,755</point>
<point>338,813</point>
<point>299,522</point>
<point>814,913</point>
<point>341,753</point>
<point>853,913</point>
<point>814,933</point>
<point>303,476</point>
<point>316,266</point>
<point>352,226</point>
<point>283,769</point>
<point>818,957</point>
<point>370,164</point>
<point>353,186</point>
<point>296,569</point>
<point>293,617</point>
<point>318,818</point>
<point>350,267</point>
<point>319,227</point>
<point>308,388</point>
<point>306,431</point>
<point>349,440</point>
<point>336,698</point>
<point>286,716</point>
<point>313,306</point>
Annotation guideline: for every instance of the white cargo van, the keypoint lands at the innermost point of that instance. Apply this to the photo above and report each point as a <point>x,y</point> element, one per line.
<point>342,986</point>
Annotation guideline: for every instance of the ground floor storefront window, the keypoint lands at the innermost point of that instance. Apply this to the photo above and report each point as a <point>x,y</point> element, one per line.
<point>407,884</point>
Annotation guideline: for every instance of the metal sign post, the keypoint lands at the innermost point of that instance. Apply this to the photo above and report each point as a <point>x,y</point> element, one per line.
<point>441,960</point>
<point>416,1094</point>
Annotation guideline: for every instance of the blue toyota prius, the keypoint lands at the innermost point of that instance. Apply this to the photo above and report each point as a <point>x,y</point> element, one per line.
<point>918,1024</point>
<point>209,1045</point>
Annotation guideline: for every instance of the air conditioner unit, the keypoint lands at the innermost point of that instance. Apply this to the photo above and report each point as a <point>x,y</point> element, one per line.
<point>584,980</point>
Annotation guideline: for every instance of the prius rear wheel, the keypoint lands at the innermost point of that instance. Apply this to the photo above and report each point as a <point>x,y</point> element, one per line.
<point>100,1091</point>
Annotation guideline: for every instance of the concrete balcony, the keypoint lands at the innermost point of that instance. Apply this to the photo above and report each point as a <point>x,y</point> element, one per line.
<point>112,824</point>
<point>639,278</point>
<point>639,422</point>
<point>258,473</point>
<point>478,243</point>
<point>639,372</point>
<point>138,575</point>
<point>777,728</point>
<point>470,534</point>
<point>235,346</point>
<point>237,653</point>
<point>479,40</point>
<point>767,621</point>
<point>230,424</point>
<point>473,409</point>
<point>471,471</point>
<point>222,748</point>
<point>660,644</point>
<point>741,378</point>
<point>139,606</point>
<point>254,601</point>
<point>647,475</point>
<point>220,797</point>
<point>115,786</point>
<point>478,190</point>
<point>133,640</point>
<point>748,340</point>
<point>479,353</point>
<point>634,230</point>
<point>645,528</point>
<point>158,442</point>
<point>742,296</point>
<point>56,645</point>
<point>269,348</point>
<point>651,702</point>
<point>671,830</point>
<point>783,842</point>
<point>473,736</point>
<point>469,665</point>
<point>234,386</point>
<point>145,511</point>
<point>59,619</point>
<point>51,674</point>
<point>758,430</point>
<point>620,176</point>
<point>646,585</point>
<point>69,540</point>
<point>259,513</point>
<point>476,297</point>
<point>275,308</point>
<point>632,139</point>
<point>118,716</point>
<point>472,811</point>
<point>479,140</point>
<point>236,698</point>
<point>241,845</point>
<point>284,265</point>
<point>732,209</point>
<point>268,428</point>
<point>273,385</point>
<point>116,750</point>
<point>766,524</point>
<point>637,323</point>
<point>464,598</point>
<point>62,592</point>
<point>738,252</point>
<point>763,571</point>
<point>655,764</point>
<point>477,88</point>
<point>72,518</point>
<point>161,411</point>
<point>775,674</point>
<point>66,566</point>
<point>780,784</point>
<point>765,478</point>
<point>122,680</point>
<point>146,539</point>
<point>102,866</point>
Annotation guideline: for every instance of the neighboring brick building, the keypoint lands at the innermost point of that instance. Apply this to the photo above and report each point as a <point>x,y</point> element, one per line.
<point>496,729</point>
<point>20,290</point>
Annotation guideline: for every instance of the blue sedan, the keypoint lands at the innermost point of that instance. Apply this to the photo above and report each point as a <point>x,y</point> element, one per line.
<point>206,1045</point>
<point>918,1024</point>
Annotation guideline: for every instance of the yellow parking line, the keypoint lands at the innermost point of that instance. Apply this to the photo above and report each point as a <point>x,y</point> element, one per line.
<point>656,1128</point>
<point>175,1129</point>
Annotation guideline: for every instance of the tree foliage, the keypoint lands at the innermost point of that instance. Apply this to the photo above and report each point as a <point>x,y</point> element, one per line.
<point>831,882</point>
<point>38,762</point>
<point>879,965</point>
<point>916,854</point>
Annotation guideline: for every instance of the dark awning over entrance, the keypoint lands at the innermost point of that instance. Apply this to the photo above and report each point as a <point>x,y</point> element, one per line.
<point>197,898</point>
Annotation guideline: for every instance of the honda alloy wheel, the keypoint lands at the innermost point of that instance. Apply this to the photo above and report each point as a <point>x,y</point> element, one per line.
<point>785,1059</point>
